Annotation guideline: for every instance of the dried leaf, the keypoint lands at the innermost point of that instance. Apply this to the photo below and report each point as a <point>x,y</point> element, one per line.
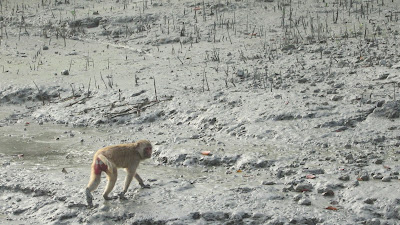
<point>331,208</point>
<point>310,176</point>
<point>239,171</point>
<point>206,153</point>
<point>360,179</point>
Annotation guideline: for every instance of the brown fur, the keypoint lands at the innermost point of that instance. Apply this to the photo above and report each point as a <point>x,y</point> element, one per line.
<point>126,156</point>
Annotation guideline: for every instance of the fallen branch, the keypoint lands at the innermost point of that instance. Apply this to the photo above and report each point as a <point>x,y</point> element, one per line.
<point>136,109</point>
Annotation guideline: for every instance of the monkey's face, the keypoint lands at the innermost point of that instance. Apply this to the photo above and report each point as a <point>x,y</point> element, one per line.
<point>147,151</point>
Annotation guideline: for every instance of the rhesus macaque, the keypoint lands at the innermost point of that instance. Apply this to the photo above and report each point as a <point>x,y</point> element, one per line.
<point>109,158</point>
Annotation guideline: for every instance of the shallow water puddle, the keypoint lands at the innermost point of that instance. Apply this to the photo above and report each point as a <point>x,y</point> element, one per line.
<point>38,144</point>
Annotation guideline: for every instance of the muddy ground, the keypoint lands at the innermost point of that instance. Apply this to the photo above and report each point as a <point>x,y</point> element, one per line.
<point>297,103</point>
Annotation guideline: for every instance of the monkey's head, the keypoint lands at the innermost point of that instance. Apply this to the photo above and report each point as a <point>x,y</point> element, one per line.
<point>145,149</point>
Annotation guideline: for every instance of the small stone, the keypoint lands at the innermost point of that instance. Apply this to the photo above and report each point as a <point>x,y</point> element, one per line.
<point>268,183</point>
<point>386,179</point>
<point>297,197</point>
<point>194,215</point>
<point>349,156</point>
<point>19,211</point>
<point>378,161</point>
<point>363,176</point>
<point>303,187</point>
<point>370,201</point>
<point>302,80</point>
<point>288,188</point>
<point>104,208</point>
<point>377,176</point>
<point>304,201</point>
<point>65,72</point>
<point>239,215</point>
<point>344,177</point>
<point>334,202</point>
<point>258,215</point>
<point>45,47</point>
<point>373,221</point>
<point>214,216</point>
<point>336,98</point>
<point>280,173</point>
<point>328,193</point>
<point>383,76</point>
<point>314,171</point>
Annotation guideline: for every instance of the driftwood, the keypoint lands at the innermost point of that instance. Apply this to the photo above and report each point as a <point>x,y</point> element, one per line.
<point>137,108</point>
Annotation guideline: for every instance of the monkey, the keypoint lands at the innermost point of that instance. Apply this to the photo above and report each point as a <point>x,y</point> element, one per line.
<point>109,159</point>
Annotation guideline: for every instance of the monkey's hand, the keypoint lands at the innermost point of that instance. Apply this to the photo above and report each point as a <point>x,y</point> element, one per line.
<point>144,185</point>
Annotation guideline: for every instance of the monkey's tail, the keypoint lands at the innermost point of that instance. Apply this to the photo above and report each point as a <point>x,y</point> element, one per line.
<point>109,164</point>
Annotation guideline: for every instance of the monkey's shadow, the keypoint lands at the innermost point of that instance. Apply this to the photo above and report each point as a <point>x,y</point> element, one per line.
<point>132,195</point>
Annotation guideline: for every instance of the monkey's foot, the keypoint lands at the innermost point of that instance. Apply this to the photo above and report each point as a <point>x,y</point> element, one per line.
<point>89,198</point>
<point>110,198</point>
<point>122,196</point>
<point>145,185</point>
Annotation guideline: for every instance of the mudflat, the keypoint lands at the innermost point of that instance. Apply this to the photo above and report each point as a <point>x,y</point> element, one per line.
<point>259,112</point>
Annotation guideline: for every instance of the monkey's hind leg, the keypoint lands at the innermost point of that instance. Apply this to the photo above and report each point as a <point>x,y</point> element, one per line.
<point>112,178</point>
<point>93,184</point>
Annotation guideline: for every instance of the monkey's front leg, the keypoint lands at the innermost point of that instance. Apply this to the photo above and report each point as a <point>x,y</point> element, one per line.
<point>128,181</point>
<point>139,179</point>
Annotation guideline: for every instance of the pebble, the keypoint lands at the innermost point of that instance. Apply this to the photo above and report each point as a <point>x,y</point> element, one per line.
<point>268,183</point>
<point>65,72</point>
<point>355,183</point>
<point>303,187</point>
<point>373,221</point>
<point>344,177</point>
<point>239,215</point>
<point>297,197</point>
<point>19,211</point>
<point>377,176</point>
<point>104,208</point>
<point>214,216</point>
<point>194,215</point>
<point>304,201</point>
<point>386,179</point>
<point>369,201</point>
<point>363,176</point>
<point>314,171</point>
<point>328,193</point>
